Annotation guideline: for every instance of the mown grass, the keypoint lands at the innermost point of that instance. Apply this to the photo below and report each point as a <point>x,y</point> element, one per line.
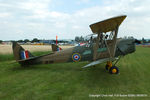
<point>69,81</point>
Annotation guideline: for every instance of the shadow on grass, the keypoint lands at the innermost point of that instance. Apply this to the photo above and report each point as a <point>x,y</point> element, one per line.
<point>31,67</point>
<point>89,77</point>
<point>57,66</point>
<point>100,78</point>
<point>97,71</point>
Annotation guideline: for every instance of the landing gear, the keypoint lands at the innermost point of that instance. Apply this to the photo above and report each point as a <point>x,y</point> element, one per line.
<point>114,70</point>
<point>108,65</point>
<point>111,68</point>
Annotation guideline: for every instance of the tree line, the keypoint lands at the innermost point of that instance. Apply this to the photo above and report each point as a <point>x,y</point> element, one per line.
<point>77,39</point>
<point>27,40</point>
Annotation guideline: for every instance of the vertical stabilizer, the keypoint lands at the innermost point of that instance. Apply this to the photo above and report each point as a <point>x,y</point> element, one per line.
<point>56,48</point>
<point>19,52</point>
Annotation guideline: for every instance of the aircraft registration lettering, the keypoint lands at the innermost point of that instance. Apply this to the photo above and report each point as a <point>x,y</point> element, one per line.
<point>76,57</point>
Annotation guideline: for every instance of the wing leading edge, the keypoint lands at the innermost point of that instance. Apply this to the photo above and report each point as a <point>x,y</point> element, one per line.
<point>107,25</point>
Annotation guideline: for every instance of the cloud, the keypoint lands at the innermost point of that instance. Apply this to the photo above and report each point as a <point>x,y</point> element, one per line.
<point>5,14</point>
<point>42,19</point>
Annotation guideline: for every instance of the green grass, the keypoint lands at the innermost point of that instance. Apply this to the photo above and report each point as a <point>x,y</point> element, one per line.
<point>8,57</point>
<point>69,81</point>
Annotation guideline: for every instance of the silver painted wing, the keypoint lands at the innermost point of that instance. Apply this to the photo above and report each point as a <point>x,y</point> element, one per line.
<point>99,62</point>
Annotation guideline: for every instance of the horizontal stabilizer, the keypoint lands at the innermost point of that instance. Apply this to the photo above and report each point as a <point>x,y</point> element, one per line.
<point>32,58</point>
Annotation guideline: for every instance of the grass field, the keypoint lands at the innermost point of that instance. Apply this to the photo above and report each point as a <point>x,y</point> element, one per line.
<point>69,81</point>
<point>7,49</point>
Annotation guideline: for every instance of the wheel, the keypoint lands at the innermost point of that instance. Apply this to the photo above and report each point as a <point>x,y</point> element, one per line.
<point>107,67</point>
<point>114,70</point>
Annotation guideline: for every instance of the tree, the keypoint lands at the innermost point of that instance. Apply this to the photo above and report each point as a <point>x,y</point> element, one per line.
<point>35,40</point>
<point>77,39</point>
<point>1,41</point>
<point>143,40</point>
<point>81,39</point>
<point>26,40</point>
<point>20,41</point>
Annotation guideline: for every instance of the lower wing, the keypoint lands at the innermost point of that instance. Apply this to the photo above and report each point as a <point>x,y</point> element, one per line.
<point>99,62</point>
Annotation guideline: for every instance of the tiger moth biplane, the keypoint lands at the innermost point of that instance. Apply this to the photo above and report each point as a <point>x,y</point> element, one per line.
<point>105,47</point>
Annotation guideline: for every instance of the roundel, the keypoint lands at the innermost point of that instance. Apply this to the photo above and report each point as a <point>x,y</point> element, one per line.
<point>76,57</point>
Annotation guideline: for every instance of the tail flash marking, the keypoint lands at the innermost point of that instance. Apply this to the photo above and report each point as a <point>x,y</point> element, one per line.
<point>24,54</point>
<point>59,49</point>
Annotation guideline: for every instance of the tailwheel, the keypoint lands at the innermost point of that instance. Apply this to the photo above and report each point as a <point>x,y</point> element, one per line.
<point>114,70</point>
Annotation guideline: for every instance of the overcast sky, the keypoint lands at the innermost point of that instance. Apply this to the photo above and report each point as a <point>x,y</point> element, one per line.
<point>44,19</point>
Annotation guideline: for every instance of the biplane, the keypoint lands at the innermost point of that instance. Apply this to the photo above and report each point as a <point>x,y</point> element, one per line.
<point>105,47</point>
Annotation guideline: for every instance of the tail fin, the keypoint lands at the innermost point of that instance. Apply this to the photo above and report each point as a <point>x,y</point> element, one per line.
<point>20,53</point>
<point>55,48</point>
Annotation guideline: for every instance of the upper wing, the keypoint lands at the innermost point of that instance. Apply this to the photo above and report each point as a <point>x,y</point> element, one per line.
<point>107,25</point>
<point>111,24</point>
<point>99,62</point>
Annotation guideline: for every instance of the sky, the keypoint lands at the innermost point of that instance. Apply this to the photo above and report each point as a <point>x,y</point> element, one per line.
<point>44,19</point>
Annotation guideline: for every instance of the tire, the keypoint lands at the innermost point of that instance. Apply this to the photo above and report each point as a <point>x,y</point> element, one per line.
<point>114,70</point>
